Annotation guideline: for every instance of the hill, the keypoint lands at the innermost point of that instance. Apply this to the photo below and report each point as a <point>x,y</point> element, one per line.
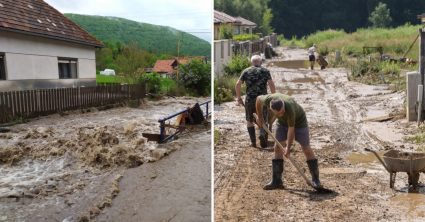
<point>154,38</point>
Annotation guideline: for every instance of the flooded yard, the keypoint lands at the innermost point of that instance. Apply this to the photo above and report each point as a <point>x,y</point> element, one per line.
<point>69,167</point>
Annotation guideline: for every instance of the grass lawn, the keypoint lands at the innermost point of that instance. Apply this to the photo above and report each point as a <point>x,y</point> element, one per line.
<point>107,79</point>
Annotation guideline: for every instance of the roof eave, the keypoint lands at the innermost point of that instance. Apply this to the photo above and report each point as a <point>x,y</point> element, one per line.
<point>52,37</point>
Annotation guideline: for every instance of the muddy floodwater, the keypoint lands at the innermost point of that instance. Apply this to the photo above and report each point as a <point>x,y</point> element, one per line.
<point>70,167</point>
<point>344,118</point>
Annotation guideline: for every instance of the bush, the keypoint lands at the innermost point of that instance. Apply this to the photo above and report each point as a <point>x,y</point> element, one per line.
<point>245,37</point>
<point>236,65</point>
<point>224,89</point>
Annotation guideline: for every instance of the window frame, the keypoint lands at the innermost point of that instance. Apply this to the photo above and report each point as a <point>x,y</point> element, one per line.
<point>70,61</point>
<point>3,66</point>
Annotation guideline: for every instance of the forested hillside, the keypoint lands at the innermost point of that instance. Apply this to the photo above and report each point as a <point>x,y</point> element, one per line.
<point>153,38</point>
<point>300,18</point>
<point>293,17</point>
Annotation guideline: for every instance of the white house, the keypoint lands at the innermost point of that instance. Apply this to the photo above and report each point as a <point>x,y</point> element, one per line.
<point>41,48</point>
<point>238,24</point>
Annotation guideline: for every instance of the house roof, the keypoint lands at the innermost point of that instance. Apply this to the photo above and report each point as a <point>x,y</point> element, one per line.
<point>185,60</point>
<point>164,66</point>
<point>245,22</point>
<point>221,17</point>
<point>36,17</point>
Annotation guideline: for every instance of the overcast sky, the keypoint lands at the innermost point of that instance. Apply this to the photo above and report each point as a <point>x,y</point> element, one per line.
<point>193,16</point>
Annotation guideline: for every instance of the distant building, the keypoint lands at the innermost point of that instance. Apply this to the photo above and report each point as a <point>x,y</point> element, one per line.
<point>165,68</point>
<point>238,24</point>
<point>41,48</point>
<point>168,67</point>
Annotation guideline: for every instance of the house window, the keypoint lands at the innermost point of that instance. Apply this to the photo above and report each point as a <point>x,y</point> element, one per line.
<point>2,67</point>
<point>67,68</point>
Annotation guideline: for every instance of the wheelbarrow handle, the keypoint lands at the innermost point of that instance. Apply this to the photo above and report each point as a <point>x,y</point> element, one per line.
<point>379,158</point>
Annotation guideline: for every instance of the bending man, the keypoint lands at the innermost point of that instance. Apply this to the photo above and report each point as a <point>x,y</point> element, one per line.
<point>292,125</point>
<point>256,79</point>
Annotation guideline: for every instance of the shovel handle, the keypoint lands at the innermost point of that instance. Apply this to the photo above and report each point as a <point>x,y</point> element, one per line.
<point>290,158</point>
<point>379,158</point>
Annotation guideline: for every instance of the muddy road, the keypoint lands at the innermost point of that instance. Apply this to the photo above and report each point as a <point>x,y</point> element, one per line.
<point>344,118</point>
<point>72,167</point>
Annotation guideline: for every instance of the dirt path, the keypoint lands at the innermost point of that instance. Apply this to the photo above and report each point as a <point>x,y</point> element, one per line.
<point>340,115</point>
<point>71,167</point>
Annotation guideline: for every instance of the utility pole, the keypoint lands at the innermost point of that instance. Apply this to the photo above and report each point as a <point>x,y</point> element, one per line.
<point>178,53</point>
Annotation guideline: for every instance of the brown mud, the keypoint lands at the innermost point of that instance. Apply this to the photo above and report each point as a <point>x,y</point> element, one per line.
<point>70,167</point>
<point>342,119</point>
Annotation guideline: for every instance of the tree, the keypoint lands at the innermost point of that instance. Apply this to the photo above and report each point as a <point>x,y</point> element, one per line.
<point>266,27</point>
<point>196,76</point>
<point>380,17</point>
<point>131,62</point>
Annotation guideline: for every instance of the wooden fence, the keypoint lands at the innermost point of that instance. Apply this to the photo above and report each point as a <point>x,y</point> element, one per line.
<point>249,48</point>
<point>33,103</point>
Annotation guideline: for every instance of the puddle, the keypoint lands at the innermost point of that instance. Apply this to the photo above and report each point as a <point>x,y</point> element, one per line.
<point>363,158</point>
<point>292,64</point>
<point>308,80</point>
<point>413,203</point>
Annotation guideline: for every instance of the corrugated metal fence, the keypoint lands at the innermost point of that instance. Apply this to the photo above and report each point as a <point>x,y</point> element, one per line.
<point>33,103</point>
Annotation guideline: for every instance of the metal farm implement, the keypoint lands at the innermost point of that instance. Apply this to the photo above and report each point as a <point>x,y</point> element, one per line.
<point>190,116</point>
<point>396,161</point>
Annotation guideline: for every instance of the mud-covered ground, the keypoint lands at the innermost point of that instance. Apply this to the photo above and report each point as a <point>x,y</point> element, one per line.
<point>71,167</point>
<point>344,118</point>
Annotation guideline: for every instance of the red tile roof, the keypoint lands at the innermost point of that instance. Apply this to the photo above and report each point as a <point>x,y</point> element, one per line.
<point>35,17</point>
<point>165,66</point>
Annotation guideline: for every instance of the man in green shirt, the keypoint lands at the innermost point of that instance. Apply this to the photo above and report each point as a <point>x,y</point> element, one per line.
<point>292,125</point>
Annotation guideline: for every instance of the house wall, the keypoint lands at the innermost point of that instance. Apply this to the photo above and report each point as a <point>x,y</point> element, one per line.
<point>222,55</point>
<point>33,62</point>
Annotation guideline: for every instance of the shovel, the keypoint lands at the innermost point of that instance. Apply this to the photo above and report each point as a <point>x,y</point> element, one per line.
<point>318,189</point>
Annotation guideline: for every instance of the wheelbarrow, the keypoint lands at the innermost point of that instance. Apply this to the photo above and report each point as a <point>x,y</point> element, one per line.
<point>396,161</point>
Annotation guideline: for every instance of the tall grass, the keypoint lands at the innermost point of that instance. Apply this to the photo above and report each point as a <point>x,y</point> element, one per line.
<point>395,41</point>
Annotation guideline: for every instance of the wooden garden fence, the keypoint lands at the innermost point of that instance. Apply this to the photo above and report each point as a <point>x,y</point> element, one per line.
<point>33,103</point>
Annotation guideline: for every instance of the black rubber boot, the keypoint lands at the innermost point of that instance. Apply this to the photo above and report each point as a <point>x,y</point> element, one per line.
<point>263,138</point>
<point>251,131</point>
<point>314,171</point>
<point>277,169</point>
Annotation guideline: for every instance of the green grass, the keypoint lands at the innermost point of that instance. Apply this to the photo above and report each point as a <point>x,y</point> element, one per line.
<point>216,136</point>
<point>419,138</point>
<point>102,79</point>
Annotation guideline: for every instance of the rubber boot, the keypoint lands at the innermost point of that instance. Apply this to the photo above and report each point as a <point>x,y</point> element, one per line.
<point>277,169</point>
<point>314,171</point>
<point>263,138</point>
<point>251,131</point>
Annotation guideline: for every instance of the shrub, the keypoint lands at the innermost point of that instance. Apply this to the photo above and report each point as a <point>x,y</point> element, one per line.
<point>153,82</point>
<point>236,65</point>
<point>245,37</point>
<point>225,31</point>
